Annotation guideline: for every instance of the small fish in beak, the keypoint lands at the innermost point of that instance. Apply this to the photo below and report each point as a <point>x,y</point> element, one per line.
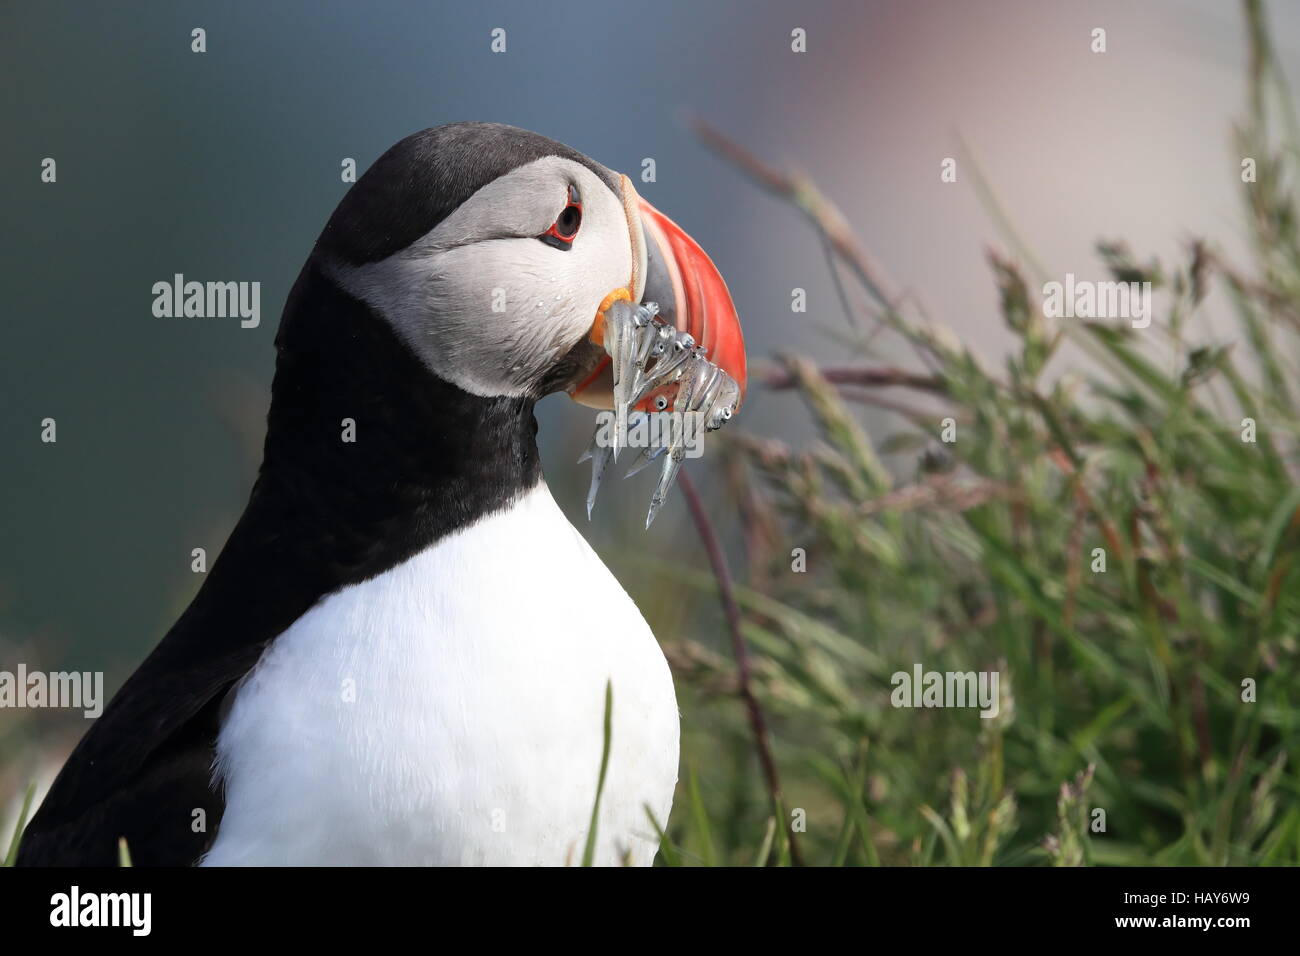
<point>652,365</point>
<point>671,337</point>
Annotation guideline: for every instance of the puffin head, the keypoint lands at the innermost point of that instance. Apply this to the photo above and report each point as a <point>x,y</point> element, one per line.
<point>494,254</point>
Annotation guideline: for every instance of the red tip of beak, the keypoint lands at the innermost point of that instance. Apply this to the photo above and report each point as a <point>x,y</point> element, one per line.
<point>700,303</point>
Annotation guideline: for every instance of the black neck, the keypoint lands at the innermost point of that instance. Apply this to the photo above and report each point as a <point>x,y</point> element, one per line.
<point>428,458</point>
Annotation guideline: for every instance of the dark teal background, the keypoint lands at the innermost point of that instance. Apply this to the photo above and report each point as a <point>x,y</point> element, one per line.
<point>225,165</point>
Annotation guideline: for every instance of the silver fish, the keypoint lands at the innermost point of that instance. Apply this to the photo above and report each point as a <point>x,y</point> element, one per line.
<point>648,354</point>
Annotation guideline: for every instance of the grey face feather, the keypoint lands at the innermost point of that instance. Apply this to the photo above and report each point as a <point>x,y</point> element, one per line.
<point>480,300</point>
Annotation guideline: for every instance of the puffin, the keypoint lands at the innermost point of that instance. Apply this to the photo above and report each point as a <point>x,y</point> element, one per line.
<point>405,654</point>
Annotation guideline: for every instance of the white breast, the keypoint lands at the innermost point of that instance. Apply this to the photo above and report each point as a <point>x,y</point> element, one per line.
<point>450,711</point>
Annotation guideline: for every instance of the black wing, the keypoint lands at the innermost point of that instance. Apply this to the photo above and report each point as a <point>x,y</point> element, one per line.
<point>143,771</point>
<point>323,514</point>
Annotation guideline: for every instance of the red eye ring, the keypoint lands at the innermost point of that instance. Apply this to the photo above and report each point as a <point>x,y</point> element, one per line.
<point>565,228</point>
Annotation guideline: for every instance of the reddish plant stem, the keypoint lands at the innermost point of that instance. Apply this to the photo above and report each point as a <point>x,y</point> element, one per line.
<point>744,670</point>
<point>866,377</point>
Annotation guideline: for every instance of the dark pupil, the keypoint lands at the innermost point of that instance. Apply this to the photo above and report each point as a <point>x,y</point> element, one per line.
<point>568,222</point>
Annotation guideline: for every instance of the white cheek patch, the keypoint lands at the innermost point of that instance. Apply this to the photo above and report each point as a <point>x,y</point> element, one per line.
<point>489,311</point>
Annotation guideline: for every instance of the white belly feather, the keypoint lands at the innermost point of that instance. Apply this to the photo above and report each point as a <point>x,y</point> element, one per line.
<point>450,711</point>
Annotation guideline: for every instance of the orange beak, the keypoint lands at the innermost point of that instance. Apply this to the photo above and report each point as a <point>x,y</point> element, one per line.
<point>690,292</point>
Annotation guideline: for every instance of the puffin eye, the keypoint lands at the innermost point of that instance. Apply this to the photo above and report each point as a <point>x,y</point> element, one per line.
<point>565,228</point>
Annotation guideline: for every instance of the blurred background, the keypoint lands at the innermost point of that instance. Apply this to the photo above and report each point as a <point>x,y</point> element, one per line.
<point>225,165</point>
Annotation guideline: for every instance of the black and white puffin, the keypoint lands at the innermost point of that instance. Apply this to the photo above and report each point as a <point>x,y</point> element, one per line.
<point>400,656</point>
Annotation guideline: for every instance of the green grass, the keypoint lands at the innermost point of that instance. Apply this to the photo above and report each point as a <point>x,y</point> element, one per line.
<point>589,849</point>
<point>11,855</point>
<point>1123,689</point>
